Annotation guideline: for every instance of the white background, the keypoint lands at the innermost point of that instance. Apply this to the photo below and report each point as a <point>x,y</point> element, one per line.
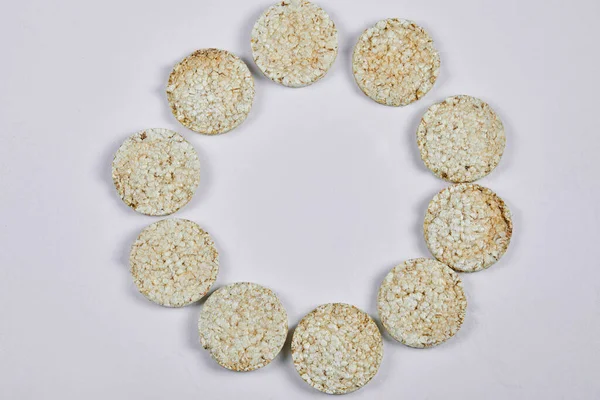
<point>317,196</point>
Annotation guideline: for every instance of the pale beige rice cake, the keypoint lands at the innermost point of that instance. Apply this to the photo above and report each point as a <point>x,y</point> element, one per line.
<point>467,227</point>
<point>337,348</point>
<point>243,326</point>
<point>395,62</point>
<point>174,262</point>
<point>211,91</point>
<point>156,171</point>
<point>294,43</point>
<point>422,303</point>
<point>461,139</point>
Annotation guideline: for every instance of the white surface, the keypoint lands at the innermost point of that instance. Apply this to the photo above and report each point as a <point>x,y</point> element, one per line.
<point>317,196</point>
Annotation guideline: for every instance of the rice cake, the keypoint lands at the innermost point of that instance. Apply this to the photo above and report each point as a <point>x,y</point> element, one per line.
<point>422,303</point>
<point>156,171</point>
<point>211,91</point>
<point>294,43</point>
<point>337,348</point>
<point>467,227</point>
<point>174,262</point>
<point>461,139</point>
<point>243,326</point>
<point>395,62</point>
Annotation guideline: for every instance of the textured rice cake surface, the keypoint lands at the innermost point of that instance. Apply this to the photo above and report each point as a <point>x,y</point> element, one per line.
<point>467,227</point>
<point>174,262</point>
<point>337,348</point>
<point>156,171</point>
<point>395,62</point>
<point>243,326</point>
<point>422,303</point>
<point>211,91</point>
<point>294,43</point>
<point>461,139</point>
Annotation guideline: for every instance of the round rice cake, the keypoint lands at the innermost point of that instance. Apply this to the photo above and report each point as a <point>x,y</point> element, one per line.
<point>211,91</point>
<point>156,171</point>
<point>467,227</point>
<point>294,43</point>
<point>174,262</point>
<point>337,348</point>
<point>243,326</point>
<point>422,303</point>
<point>461,139</point>
<point>395,62</point>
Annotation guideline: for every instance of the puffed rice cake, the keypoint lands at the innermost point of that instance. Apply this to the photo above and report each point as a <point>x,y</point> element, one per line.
<point>211,91</point>
<point>337,348</point>
<point>467,227</point>
<point>422,303</point>
<point>243,326</point>
<point>156,171</point>
<point>461,139</point>
<point>294,43</point>
<point>395,62</point>
<point>174,262</point>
